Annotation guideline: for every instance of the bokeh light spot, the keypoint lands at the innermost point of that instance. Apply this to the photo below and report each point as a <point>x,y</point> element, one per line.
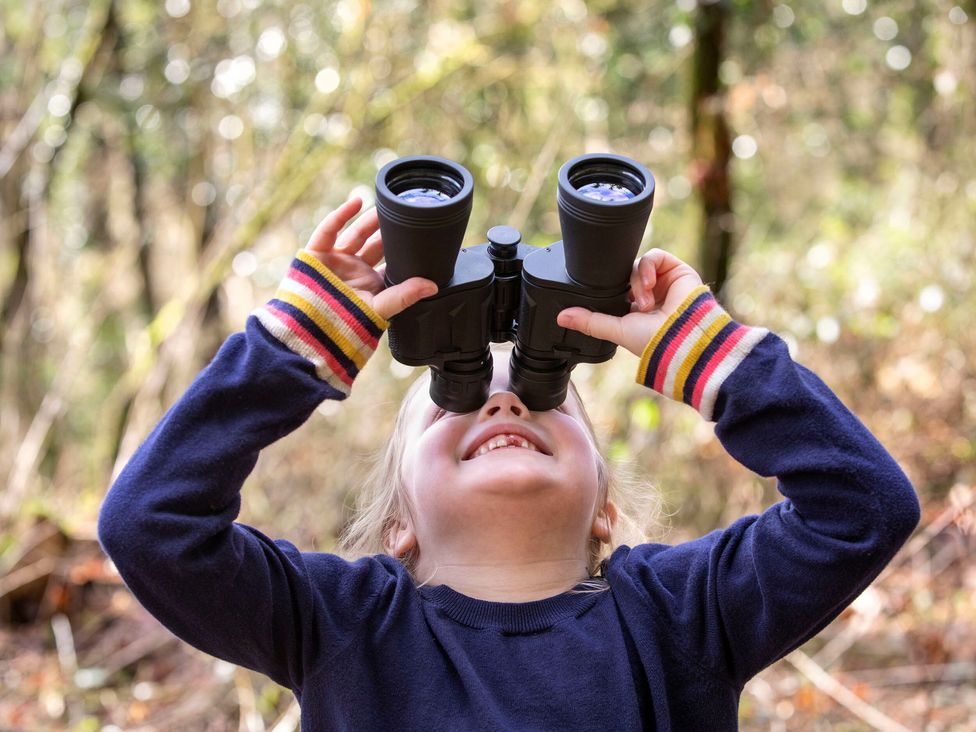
<point>931,298</point>
<point>203,193</point>
<point>945,82</point>
<point>59,105</point>
<point>230,127</point>
<point>828,330</point>
<point>177,8</point>
<point>244,264</point>
<point>680,36</point>
<point>898,58</point>
<point>885,28</point>
<point>177,71</point>
<point>783,16</point>
<point>679,187</point>
<point>271,43</point>
<point>327,80</point>
<point>744,147</point>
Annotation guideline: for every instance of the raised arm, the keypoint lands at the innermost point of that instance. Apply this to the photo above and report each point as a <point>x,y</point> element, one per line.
<point>745,596</point>
<point>168,521</point>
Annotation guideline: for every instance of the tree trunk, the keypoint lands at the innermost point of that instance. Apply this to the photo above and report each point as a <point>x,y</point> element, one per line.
<point>711,145</point>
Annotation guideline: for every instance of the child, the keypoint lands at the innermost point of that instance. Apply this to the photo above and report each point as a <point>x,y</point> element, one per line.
<point>470,614</point>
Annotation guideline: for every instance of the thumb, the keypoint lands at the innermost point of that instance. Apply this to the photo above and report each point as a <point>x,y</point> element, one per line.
<point>397,298</point>
<point>598,325</point>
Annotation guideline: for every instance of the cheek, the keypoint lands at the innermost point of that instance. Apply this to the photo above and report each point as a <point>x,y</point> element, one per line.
<point>582,454</point>
<point>428,456</point>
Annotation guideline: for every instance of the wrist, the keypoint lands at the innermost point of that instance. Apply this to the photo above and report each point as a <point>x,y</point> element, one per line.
<point>695,351</point>
<point>318,316</point>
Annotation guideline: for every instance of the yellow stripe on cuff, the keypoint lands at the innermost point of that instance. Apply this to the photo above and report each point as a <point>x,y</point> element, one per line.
<point>326,325</point>
<point>312,261</point>
<point>663,330</point>
<point>706,337</point>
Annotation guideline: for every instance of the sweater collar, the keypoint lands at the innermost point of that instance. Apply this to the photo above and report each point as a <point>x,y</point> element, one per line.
<point>511,617</point>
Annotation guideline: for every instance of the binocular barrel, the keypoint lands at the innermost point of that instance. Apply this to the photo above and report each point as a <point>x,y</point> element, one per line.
<point>506,290</point>
<point>604,202</point>
<point>423,204</point>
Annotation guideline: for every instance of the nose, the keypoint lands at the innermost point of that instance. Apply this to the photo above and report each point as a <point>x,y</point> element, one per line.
<point>503,403</point>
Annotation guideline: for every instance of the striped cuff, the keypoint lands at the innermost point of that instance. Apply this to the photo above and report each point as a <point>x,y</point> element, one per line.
<point>318,316</point>
<point>695,351</point>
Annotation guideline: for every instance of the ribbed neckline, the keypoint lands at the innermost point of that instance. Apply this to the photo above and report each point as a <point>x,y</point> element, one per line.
<point>510,617</point>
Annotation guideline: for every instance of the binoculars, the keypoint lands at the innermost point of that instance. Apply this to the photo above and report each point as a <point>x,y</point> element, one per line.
<point>504,290</point>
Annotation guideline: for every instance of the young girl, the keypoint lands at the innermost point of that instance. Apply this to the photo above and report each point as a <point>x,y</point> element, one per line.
<point>477,609</point>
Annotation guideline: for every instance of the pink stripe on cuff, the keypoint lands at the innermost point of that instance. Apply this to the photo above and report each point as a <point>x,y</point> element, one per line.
<point>713,364</point>
<point>347,317</point>
<point>295,327</point>
<point>675,343</point>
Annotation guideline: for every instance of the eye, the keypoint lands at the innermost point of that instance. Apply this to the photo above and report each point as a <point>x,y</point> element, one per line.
<point>438,414</point>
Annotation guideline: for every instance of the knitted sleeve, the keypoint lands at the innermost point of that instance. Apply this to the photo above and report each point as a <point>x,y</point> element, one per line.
<point>168,522</point>
<point>745,596</point>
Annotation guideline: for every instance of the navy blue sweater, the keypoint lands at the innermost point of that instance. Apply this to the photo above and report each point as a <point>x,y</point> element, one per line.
<point>669,646</point>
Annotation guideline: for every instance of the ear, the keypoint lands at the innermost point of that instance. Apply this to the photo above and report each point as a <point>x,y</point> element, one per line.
<point>399,538</point>
<point>604,521</point>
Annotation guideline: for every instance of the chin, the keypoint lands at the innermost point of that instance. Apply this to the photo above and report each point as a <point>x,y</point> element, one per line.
<point>508,473</point>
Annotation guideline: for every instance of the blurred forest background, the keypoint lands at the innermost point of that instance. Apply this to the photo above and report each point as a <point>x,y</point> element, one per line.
<point>161,162</point>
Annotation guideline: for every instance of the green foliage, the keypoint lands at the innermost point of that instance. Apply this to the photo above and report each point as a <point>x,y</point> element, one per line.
<point>645,415</point>
<point>260,119</point>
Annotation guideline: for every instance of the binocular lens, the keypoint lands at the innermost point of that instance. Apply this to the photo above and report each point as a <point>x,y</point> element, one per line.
<point>606,192</point>
<point>423,196</point>
<point>602,180</point>
<point>424,186</point>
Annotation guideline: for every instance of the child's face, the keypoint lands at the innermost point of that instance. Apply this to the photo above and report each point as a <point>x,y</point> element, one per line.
<point>473,470</point>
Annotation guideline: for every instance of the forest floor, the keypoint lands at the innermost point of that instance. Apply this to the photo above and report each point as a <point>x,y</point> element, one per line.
<point>78,653</point>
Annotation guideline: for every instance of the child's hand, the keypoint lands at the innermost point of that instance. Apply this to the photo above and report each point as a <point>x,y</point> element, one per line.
<point>659,283</point>
<point>354,254</point>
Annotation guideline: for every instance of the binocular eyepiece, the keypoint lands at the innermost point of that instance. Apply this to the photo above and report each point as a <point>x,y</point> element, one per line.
<point>505,290</point>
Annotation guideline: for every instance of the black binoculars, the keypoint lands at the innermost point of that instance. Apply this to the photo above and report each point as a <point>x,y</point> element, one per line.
<point>505,290</point>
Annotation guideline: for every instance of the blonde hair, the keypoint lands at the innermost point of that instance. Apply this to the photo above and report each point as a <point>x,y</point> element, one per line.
<point>380,504</point>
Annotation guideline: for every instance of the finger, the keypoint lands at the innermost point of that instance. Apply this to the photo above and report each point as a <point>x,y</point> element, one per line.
<point>648,270</point>
<point>372,251</point>
<point>667,269</point>
<point>396,299</point>
<point>663,261</point>
<point>598,325</point>
<point>352,239</point>
<point>642,294</point>
<point>324,236</point>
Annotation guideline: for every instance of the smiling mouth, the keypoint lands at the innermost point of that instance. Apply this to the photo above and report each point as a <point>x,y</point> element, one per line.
<point>499,442</point>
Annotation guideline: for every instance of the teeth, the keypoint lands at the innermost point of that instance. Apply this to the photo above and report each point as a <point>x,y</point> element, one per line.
<point>504,441</point>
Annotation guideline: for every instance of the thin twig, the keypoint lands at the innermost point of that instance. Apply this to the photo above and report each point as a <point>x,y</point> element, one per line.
<point>842,695</point>
<point>957,672</point>
<point>64,641</point>
<point>132,652</point>
<point>25,575</point>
